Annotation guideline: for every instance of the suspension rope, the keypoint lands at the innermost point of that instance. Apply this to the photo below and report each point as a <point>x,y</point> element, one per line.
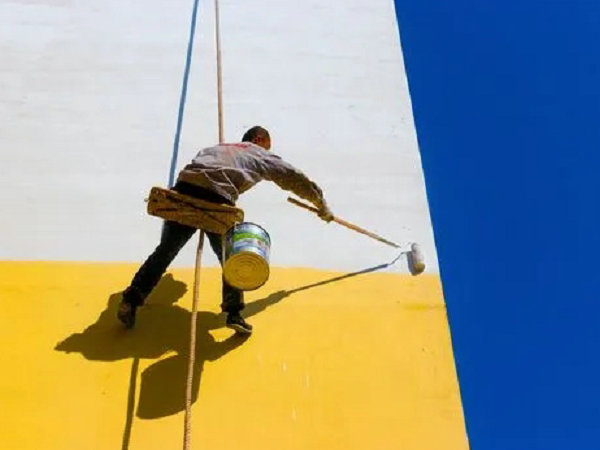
<point>219,72</point>
<point>187,429</point>
<point>183,95</point>
<point>187,435</point>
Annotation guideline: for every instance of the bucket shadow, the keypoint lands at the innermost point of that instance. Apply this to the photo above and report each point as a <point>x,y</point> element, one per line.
<point>162,328</point>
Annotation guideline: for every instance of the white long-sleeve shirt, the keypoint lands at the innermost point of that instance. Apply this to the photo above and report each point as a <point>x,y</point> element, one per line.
<point>231,169</point>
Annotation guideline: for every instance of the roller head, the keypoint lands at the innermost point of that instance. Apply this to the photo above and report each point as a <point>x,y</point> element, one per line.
<point>416,262</point>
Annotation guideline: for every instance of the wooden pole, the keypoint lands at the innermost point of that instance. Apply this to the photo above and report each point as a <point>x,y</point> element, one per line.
<point>345,224</point>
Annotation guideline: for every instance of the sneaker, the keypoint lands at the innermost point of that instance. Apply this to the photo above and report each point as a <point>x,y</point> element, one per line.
<point>236,322</point>
<point>126,314</point>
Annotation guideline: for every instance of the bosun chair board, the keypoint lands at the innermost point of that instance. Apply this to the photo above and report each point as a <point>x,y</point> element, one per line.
<point>193,212</point>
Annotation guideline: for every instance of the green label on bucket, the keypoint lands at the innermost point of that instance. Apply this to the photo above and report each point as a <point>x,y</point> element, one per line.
<point>240,236</point>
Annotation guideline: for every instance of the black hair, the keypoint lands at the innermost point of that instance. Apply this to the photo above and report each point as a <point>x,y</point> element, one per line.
<point>254,132</point>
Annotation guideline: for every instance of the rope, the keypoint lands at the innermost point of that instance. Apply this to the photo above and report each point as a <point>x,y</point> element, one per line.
<point>192,357</point>
<point>187,434</point>
<point>183,95</point>
<point>219,73</point>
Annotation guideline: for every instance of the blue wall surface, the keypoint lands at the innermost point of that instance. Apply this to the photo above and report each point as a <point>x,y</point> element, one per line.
<point>506,97</point>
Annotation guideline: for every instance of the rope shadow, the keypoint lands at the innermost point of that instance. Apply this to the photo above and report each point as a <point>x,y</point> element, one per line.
<point>130,404</point>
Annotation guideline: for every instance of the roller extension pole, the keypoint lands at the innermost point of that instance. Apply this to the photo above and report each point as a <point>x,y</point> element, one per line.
<point>416,262</point>
<point>345,224</point>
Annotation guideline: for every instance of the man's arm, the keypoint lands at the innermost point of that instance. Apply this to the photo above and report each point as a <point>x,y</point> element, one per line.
<point>287,177</point>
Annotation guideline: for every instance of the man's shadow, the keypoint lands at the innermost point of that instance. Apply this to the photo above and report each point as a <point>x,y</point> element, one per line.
<point>163,327</point>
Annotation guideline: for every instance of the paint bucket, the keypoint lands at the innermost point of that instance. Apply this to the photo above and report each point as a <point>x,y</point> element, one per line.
<point>246,256</point>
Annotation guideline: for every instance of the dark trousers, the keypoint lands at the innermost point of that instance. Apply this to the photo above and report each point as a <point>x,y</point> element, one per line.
<point>174,237</point>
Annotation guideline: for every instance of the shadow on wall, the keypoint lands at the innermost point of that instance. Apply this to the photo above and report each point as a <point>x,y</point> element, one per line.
<point>162,327</point>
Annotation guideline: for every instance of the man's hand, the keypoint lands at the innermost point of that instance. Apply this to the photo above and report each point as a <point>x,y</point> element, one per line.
<point>326,214</point>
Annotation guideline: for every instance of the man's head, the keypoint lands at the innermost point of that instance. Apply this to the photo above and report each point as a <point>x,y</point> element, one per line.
<point>259,136</point>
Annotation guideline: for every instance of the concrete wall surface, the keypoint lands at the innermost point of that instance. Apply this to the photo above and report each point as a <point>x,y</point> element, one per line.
<point>89,106</point>
<point>349,351</point>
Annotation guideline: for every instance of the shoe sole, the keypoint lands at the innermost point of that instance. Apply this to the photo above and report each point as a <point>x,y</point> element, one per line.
<point>238,328</point>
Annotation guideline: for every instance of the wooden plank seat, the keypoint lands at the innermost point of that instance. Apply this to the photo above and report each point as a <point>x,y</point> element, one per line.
<point>208,216</point>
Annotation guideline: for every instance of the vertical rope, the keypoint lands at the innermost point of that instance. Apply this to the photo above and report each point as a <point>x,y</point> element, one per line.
<point>187,435</point>
<point>219,72</point>
<point>192,357</point>
<point>183,95</point>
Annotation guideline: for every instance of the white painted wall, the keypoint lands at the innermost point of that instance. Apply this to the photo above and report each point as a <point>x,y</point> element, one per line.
<point>88,104</point>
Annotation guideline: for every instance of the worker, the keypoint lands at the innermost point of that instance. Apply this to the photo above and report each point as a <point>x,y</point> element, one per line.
<point>219,174</point>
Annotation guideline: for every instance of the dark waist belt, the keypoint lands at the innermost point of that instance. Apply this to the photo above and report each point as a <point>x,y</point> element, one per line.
<point>199,192</point>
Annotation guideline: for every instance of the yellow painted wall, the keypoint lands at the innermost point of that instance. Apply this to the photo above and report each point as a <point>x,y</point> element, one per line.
<point>355,362</point>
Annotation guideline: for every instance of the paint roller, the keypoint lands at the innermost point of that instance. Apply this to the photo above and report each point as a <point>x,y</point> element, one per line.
<point>414,256</point>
